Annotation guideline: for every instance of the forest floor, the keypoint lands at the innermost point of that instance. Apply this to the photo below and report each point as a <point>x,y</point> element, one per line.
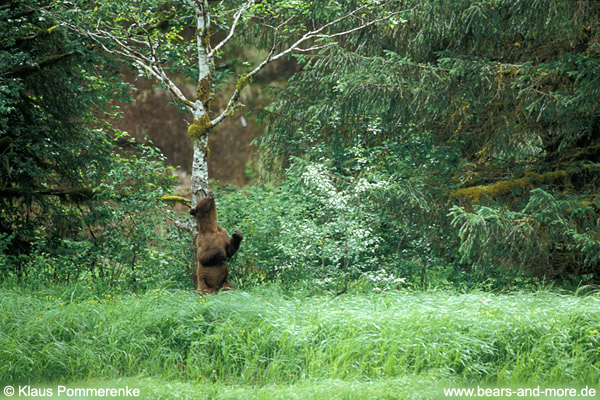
<point>266,343</point>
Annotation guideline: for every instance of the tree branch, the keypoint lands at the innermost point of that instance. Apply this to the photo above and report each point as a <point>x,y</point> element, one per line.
<point>314,34</point>
<point>19,40</point>
<point>150,65</point>
<point>242,83</point>
<point>315,48</point>
<point>531,180</point>
<point>32,68</point>
<point>236,19</point>
<point>358,27</point>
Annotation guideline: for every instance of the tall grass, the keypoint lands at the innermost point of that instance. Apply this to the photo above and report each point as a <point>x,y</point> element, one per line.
<point>264,337</point>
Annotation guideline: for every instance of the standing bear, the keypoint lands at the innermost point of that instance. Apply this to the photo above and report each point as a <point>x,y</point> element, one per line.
<point>213,248</point>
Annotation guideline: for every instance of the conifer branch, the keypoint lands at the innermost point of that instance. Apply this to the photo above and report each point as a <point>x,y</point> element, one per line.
<point>28,69</point>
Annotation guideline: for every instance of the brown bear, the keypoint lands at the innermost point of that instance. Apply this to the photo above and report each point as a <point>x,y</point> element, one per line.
<point>213,248</point>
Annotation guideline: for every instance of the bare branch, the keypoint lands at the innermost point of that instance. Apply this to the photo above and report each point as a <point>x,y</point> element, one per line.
<point>316,47</point>
<point>340,19</point>
<point>232,104</point>
<point>159,72</point>
<point>155,70</point>
<point>358,27</point>
<point>317,32</point>
<point>150,65</point>
<point>236,19</point>
<point>314,34</point>
<point>186,226</point>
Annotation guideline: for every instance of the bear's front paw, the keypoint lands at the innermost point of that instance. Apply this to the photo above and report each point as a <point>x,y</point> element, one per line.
<point>237,235</point>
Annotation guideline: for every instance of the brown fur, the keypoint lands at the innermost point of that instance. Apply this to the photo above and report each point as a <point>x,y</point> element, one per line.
<point>213,248</point>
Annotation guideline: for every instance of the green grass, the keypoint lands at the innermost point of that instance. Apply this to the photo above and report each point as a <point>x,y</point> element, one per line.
<point>266,344</point>
<point>153,388</point>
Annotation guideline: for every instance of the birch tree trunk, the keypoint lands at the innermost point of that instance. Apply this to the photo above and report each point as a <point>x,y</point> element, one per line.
<point>201,126</point>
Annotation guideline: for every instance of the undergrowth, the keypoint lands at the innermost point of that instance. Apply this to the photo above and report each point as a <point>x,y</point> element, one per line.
<point>265,336</point>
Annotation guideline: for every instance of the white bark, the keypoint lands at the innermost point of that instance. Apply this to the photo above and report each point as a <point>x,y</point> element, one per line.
<point>236,19</point>
<point>199,186</point>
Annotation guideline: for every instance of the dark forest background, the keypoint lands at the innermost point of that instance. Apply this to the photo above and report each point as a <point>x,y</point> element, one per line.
<point>458,145</point>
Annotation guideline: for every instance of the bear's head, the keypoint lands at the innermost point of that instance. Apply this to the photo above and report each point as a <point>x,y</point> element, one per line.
<point>205,211</point>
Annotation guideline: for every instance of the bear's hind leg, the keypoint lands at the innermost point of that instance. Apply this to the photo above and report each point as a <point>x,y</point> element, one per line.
<point>227,286</point>
<point>203,287</point>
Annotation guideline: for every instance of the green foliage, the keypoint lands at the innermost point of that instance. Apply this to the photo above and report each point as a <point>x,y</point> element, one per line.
<point>311,229</point>
<point>292,17</point>
<point>160,21</point>
<point>120,237</point>
<point>456,142</point>
<point>547,238</point>
<point>166,25</point>
<point>492,100</point>
<point>326,228</point>
<point>49,155</point>
<point>264,337</point>
<point>77,202</point>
